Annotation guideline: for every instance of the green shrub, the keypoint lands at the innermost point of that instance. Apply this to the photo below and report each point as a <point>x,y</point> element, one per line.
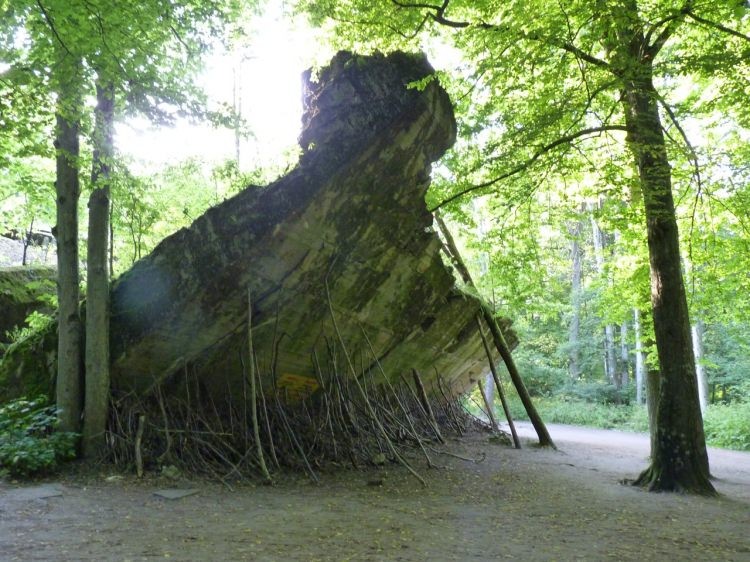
<point>595,392</point>
<point>728,425</point>
<point>577,412</point>
<point>28,443</point>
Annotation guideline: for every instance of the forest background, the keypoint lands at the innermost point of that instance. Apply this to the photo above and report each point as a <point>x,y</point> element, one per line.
<point>552,231</point>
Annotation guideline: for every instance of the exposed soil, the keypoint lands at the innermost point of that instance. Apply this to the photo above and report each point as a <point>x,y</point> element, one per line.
<point>530,504</point>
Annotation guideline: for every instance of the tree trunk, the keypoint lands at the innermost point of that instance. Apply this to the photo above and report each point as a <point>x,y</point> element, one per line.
<point>574,365</point>
<point>624,363</point>
<point>68,385</point>
<point>679,461</point>
<point>490,407</point>
<point>97,301</point>
<point>700,371</point>
<point>640,363</point>
<point>610,357</point>
<point>652,405</point>
<point>489,387</point>
<point>27,242</point>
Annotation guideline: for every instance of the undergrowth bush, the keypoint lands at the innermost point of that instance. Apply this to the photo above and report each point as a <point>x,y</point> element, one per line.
<point>728,425</point>
<point>28,443</point>
<point>595,392</point>
<point>577,412</point>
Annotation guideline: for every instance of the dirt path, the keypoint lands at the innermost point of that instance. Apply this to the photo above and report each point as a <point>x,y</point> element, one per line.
<point>518,505</point>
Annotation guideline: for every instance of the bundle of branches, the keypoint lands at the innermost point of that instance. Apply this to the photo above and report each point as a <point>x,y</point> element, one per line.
<point>355,421</point>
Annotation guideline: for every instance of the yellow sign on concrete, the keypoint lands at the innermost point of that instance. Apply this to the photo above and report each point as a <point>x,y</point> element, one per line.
<point>296,387</point>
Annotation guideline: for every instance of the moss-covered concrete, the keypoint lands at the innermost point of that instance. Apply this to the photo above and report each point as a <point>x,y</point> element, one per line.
<point>27,364</point>
<point>23,290</point>
<point>351,217</point>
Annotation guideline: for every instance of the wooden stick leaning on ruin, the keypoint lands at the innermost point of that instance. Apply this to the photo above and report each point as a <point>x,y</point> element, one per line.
<point>368,405</point>
<point>488,407</point>
<point>404,411</point>
<point>253,389</point>
<point>499,386</point>
<point>138,441</point>
<point>426,404</point>
<point>498,339</point>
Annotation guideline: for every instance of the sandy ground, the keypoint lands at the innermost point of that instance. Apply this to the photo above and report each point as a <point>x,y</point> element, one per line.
<point>530,504</point>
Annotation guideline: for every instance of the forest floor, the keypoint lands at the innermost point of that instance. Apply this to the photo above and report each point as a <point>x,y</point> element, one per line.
<point>529,504</point>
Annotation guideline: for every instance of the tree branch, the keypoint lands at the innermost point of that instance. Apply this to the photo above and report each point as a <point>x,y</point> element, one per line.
<point>439,17</point>
<point>538,154</point>
<point>51,25</point>
<point>672,23</point>
<point>692,154</point>
<point>720,27</point>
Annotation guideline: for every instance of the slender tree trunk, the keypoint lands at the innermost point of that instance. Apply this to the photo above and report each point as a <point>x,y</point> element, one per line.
<point>679,461</point>
<point>700,371</point>
<point>489,406</point>
<point>68,386</point>
<point>624,370</point>
<point>489,387</point>
<point>498,339</point>
<point>640,363</point>
<point>610,357</point>
<point>574,365</point>
<point>97,301</point>
<point>27,242</point>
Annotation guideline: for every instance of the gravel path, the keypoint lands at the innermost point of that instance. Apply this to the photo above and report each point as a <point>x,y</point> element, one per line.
<point>531,504</point>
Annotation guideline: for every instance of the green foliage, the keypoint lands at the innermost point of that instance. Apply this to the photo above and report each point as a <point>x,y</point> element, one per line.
<point>36,322</point>
<point>28,443</point>
<point>595,392</point>
<point>728,425</point>
<point>725,425</point>
<point>29,364</point>
<point>542,378</point>
<point>727,360</point>
<point>577,412</point>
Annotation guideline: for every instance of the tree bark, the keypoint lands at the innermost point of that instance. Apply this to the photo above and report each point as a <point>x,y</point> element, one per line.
<point>67,187</point>
<point>679,461</point>
<point>97,294</point>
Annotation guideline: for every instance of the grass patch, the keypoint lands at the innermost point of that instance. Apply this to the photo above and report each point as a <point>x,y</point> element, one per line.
<point>726,425</point>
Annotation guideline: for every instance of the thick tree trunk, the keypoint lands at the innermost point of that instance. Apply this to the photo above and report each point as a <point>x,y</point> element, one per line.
<point>97,301</point>
<point>653,383</point>
<point>68,385</point>
<point>679,461</point>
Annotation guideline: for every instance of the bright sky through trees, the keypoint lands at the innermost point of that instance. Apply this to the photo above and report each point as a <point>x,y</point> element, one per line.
<point>268,71</point>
